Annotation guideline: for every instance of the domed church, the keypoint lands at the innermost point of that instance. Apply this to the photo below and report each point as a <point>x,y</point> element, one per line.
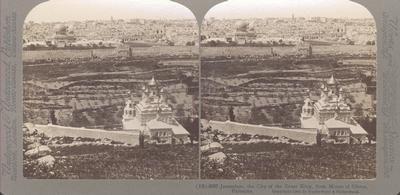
<point>331,115</point>
<point>153,116</point>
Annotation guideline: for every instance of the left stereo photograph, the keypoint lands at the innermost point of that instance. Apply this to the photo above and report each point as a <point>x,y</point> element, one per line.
<point>110,90</point>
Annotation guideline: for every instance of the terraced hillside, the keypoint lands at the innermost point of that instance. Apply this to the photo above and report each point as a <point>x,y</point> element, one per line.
<point>260,86</point>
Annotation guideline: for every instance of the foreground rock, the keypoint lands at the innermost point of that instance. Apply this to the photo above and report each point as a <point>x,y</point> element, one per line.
<point>33,146</point>
<point>212,147</point>
<point>38,151</point>
<point>47,160</point>
<point>218,157</point>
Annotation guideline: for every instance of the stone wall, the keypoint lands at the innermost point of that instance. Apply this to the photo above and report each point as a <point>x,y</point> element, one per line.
<point>55,130</point>
<point>306,135</point>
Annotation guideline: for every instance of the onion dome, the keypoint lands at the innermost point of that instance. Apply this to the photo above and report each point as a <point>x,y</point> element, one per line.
<point>331,81</point>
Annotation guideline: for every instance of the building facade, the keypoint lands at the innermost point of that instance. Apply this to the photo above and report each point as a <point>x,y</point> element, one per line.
<point>153,116</point>
<point>332,116</point>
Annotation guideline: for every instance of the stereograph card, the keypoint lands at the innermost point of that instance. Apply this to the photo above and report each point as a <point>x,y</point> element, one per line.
<point>199,97</point>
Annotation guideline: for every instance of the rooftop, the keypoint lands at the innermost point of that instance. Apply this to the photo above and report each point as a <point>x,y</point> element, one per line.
<point>334,123</point>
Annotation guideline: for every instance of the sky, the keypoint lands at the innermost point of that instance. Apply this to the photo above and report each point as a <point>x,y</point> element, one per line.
<point>79,10</point>
<point>235,9</point>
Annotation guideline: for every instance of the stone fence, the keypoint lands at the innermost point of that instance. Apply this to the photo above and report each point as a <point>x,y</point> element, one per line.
<point>129,137</point>
<point>305,135</point>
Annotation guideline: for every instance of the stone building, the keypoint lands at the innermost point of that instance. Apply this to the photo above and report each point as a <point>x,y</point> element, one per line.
<point>244,33</point>
<point>63,37</point>
<point>331,115</point>
<point>153,116</point>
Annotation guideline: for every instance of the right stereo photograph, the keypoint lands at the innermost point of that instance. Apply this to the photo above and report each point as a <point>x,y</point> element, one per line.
<point>288,90</point>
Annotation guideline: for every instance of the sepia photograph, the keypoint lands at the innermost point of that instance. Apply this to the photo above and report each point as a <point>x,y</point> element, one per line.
<point>110,90</point>
<point>288,90</point>
<point>199,97</point>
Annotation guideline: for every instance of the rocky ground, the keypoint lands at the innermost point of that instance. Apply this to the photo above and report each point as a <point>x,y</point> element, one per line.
<point>86,158</point>
<point>244,156</point>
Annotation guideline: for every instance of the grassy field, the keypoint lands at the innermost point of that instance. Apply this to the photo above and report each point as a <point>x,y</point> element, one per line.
<point>285,161</point>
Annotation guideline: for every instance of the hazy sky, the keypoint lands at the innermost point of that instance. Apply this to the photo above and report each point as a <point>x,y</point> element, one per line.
<point>66,10</point>
<point>285,8</point>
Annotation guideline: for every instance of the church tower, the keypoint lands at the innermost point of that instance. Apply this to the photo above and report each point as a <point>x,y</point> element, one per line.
<point>129,112</point>
<point>343,110</point>
<point>307,110</point>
